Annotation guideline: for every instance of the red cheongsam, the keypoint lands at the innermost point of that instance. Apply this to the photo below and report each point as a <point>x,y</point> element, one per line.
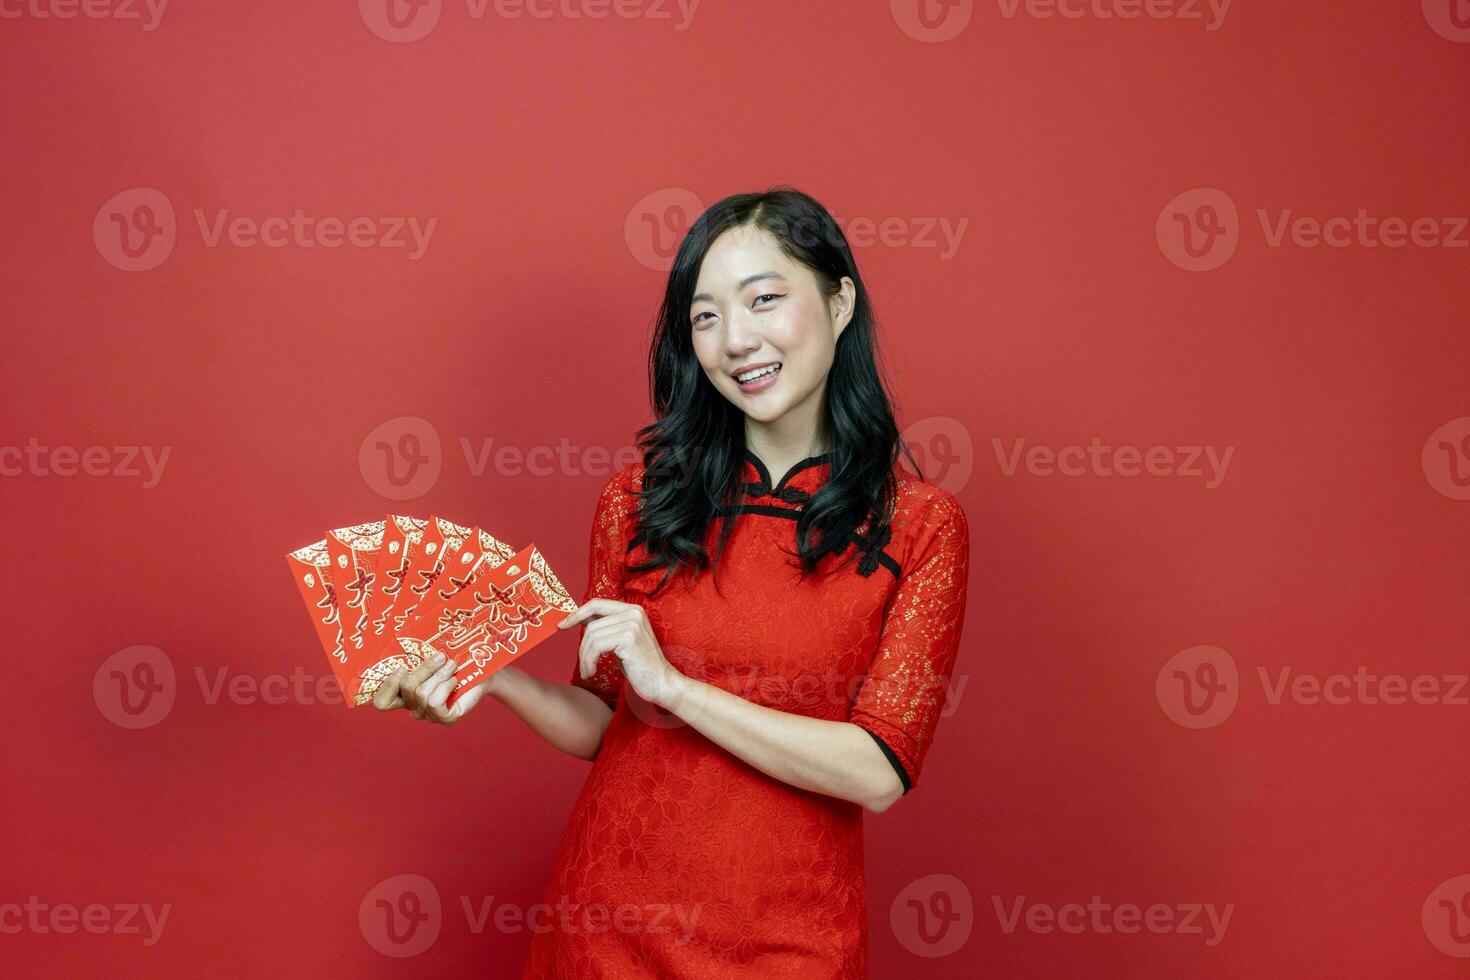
<point>683,861</point>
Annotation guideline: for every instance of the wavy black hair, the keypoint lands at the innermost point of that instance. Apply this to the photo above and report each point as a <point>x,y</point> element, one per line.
<point>694,451</point>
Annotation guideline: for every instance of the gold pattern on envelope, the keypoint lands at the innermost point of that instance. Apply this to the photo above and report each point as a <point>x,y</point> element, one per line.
<point>361,537</point>
<point>546,585</point>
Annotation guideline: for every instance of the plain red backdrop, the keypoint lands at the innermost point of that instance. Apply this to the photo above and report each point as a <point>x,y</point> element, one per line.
<point>538,145</point>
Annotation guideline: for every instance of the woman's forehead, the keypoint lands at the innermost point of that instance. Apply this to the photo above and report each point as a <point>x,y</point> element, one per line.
<point>739,255</point>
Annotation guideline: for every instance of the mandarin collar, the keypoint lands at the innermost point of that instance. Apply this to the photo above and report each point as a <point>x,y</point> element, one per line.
<point>805,475</point>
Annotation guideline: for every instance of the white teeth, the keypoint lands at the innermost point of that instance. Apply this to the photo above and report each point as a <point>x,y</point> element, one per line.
<point>746,378</point>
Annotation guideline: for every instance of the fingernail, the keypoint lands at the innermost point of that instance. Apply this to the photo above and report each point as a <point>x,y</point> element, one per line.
<point>438,656</point>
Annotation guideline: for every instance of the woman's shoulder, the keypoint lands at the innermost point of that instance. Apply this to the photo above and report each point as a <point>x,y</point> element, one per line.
<point>926,518</point>
<point>919,500</point>
<point>619,494</point>
<point>628,477</point>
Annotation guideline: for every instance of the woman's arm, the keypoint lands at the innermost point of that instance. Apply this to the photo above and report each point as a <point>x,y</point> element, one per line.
<point>836,758</point>
<point>566,717</point>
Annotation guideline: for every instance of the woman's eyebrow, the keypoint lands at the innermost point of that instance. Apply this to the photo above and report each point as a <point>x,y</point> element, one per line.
<point>743,283</point>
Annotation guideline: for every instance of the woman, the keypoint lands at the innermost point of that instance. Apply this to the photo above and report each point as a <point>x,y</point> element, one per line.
<point>743,713</point>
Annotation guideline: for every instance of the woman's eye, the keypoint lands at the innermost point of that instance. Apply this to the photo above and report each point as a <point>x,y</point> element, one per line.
<point>695,321</point>
<point>765,296</point>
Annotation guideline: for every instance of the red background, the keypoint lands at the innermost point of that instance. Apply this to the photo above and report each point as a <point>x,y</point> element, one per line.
<point>1058,776</point>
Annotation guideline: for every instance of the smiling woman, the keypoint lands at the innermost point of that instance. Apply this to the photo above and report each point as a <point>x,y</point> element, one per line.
<point>743,724</point>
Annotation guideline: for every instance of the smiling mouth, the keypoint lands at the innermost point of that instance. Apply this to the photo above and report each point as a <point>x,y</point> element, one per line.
<point>751,378</point>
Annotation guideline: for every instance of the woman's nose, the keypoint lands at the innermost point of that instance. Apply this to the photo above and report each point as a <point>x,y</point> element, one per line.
<point>740,335</point>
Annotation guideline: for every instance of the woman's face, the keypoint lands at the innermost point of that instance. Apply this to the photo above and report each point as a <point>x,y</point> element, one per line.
<point>754,306</point>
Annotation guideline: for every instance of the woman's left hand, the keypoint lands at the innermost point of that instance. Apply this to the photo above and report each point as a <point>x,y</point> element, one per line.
<point>623,629</point>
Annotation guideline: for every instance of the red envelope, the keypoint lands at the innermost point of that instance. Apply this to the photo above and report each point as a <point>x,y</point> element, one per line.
<point>508,609</point>
<point>353,571</point>
<point>402,538</point>
<point>442,538</point>
<point>478,552</point>
<point>440,586</point>
<point>309,569</point>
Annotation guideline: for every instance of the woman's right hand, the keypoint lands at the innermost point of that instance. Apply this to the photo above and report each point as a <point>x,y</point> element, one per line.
<point>424,689</point>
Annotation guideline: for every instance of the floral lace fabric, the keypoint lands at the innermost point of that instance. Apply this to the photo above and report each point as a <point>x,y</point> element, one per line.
<point>693,863</point>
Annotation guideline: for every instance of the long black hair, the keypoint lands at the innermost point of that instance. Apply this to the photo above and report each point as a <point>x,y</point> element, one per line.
<point>694,451</point>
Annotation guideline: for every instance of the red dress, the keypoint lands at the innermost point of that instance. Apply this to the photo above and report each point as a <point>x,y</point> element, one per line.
<point>683,861</point>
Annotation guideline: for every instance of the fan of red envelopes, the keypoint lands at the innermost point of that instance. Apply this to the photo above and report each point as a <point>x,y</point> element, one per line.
<point>391,593</point>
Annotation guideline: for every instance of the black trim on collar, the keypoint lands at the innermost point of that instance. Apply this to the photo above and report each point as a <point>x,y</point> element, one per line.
<point>794,513</point>
<point>797,467</point>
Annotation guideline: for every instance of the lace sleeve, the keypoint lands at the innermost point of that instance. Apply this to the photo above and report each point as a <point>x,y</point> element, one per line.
<point>607,547</point>
<point>903,694</point>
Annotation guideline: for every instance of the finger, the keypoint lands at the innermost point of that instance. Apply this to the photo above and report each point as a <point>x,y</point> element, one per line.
<point>438,689</point>
<point>598,632</point>
<point>590,608</point>
<point>426,669</point>
<point>416,677</point>
<point>599,639</point>
<point>435,681</point>
<point>464,703</point>
<point>386,697</point>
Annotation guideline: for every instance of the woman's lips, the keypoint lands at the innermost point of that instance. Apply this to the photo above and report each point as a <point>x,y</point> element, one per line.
<point>762,383</point>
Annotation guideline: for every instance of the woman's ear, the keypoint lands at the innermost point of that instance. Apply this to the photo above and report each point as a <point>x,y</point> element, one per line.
<point>842,304</point>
